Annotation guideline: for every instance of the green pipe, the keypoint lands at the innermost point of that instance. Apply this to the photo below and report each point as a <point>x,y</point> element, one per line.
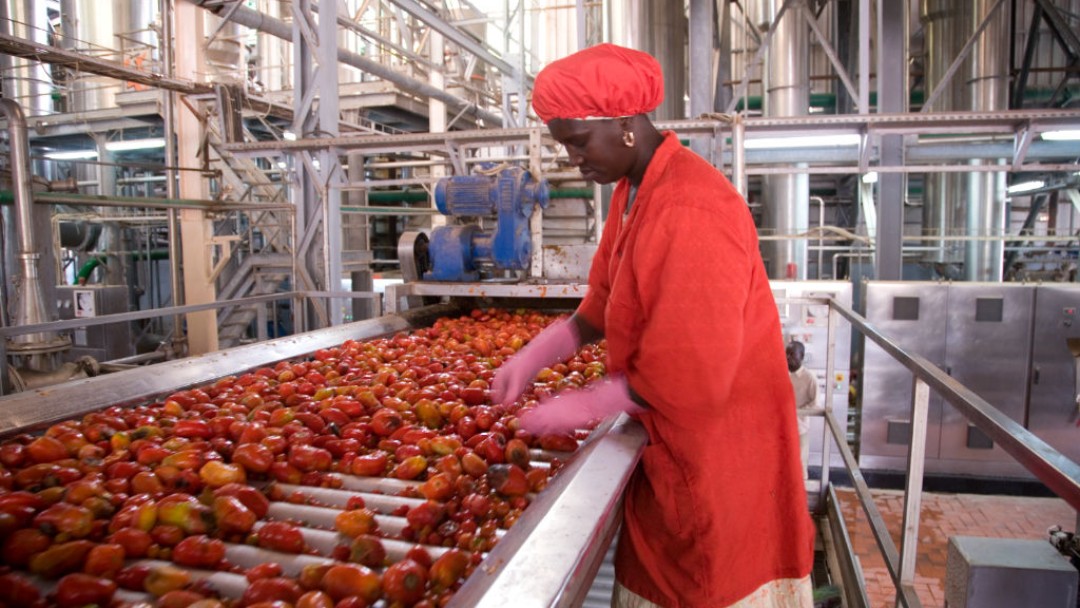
<point>94,262</point>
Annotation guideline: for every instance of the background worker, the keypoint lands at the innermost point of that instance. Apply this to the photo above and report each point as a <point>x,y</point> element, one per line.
<point>715,514</point>
<point>805,386</point>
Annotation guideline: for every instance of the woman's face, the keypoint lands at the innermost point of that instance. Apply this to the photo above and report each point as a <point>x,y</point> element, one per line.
<point>595,147</point>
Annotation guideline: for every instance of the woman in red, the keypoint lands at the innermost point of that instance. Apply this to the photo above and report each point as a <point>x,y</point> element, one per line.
<point>716,513</point>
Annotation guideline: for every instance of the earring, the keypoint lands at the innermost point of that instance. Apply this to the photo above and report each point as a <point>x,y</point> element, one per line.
<point>628,139</point>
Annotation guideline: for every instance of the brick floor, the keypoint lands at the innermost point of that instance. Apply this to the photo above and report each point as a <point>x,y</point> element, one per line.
<point>942,516</point>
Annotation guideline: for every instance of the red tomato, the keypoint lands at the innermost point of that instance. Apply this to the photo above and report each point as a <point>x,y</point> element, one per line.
<point>264,570</point>
<point>351,580</point>
<point>104,560</point>
<point>281,536</point>
<point>253,499</point>
<point>78,590</point>
<point>15,590</point>
<point>133,541</point>
<point>404,582</point>
<point>271,589</point>
<point>199,551</point>
<point>371,465</point>
<point>253,457</point>
<point>133,577</point>
<point>315,599</point>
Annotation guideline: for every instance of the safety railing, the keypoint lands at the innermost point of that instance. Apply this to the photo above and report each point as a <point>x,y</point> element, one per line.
<point>1060,474</point>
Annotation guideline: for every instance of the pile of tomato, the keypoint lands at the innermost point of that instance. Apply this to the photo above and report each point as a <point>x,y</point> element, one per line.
<point>98,504</point>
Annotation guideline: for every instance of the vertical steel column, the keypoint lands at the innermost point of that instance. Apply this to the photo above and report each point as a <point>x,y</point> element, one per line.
<point>909,547</point>
<point>701,55</point>
<point>536,221</point>
<point>319,176</point>
<point>738,155</point>
<point>892,98</point>
<point>168,104</point>
<point>830,371</point>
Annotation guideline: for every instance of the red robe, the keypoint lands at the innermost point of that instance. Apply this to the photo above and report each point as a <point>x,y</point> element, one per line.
<point>717,506</point>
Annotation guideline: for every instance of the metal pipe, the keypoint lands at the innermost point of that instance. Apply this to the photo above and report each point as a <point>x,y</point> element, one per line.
<point>275,27</point>
<point>31,298</point>
<point>171,186</point>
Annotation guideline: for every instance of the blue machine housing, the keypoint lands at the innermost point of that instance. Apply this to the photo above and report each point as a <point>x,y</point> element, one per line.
<point>456,251</point>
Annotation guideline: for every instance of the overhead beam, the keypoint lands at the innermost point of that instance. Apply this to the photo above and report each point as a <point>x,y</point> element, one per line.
<point>28,49</point>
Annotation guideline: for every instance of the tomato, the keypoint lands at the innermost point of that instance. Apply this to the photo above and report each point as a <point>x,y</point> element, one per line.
<point>356,522</point>
<point>132,578</point>
<point>558,443</point>
<point>517,453</point>
<point>179,598</point>
<point>307,458</point>
<point>104,560</point>
<point>22,544</point>
<point>263,570</point>
<point>404,582</point>
<point>134,542</point>
<point>372,465</point>
<point>385,422</point>
<point>473,464</point>
<point>13,455</point>
<point>232,516</point>
<point>60,559</point>
<point>420,555</point>
<point>163,579</point>
<point>410,468</point>
<point>16,590</point>
<point>311,576</point>
<point>199,551</point>
<point>216,474</point>
<point>271,589</point>
<point>281,536</point>
<point>315,599</point>
<point>253,499</point>
<point>437,487</point>
<point>78,590</point>
<point>46,449</point>
<point>508,479</point>
<point>345,580</point>
<point>286,473</point>
<point>448,569</point>
<point>367,550</point>
<point>253,457</point>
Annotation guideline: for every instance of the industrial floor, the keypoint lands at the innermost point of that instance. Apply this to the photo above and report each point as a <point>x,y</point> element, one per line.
<point>942,516</point>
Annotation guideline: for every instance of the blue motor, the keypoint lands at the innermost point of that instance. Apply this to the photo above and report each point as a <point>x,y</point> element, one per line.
<point>511,194</point>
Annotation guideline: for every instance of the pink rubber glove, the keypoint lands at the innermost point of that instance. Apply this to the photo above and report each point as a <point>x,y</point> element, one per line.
<point>571,410</point>
<point>556,343</point>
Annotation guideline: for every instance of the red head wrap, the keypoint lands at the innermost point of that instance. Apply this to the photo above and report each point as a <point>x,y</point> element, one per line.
<point>603,81</point>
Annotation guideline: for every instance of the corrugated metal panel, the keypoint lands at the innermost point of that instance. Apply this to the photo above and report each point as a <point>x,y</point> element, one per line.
<point>599,595</point>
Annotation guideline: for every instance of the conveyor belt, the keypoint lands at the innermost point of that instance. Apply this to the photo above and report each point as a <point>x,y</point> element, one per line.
<point>548,557</point>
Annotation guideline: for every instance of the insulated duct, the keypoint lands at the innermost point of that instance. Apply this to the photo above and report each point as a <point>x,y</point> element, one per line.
<point>989,90</point>
<point>945,23</point>
<point>787,93</point>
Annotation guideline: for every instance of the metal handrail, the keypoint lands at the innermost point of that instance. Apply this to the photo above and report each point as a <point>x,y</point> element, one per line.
<point>1054,469</point>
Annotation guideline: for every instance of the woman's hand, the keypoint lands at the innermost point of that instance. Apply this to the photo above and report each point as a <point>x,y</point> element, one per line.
<point>557,342</point>
<point>572,410</point>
